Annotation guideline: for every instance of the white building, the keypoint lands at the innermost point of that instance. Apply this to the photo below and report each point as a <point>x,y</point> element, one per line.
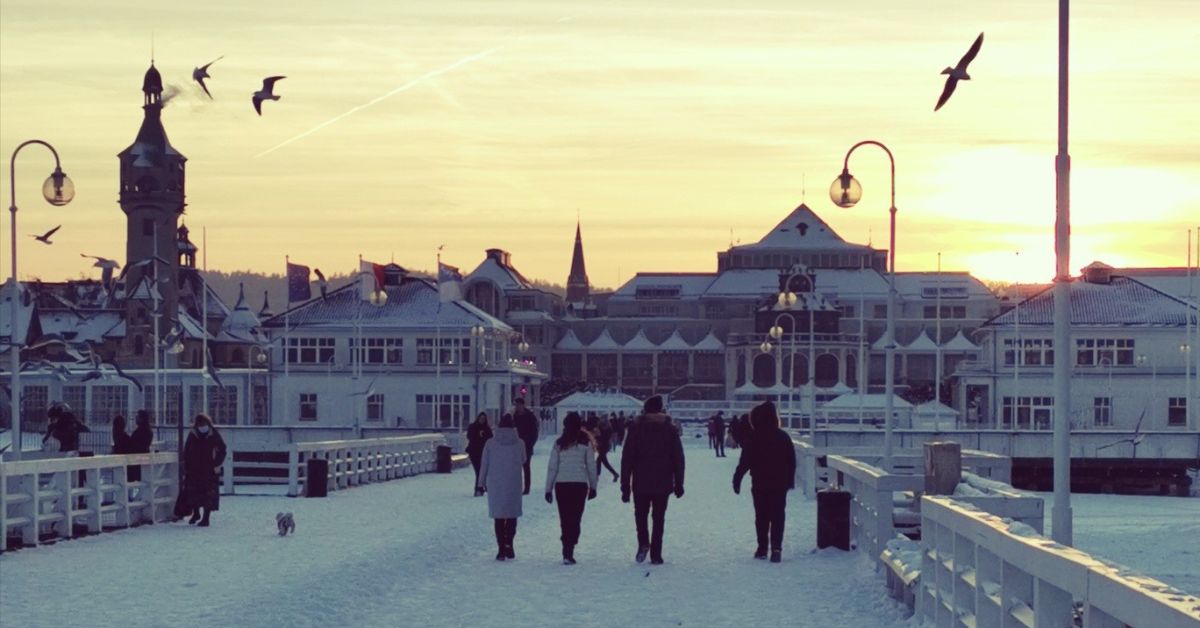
<point>1129,359</point>
<point>423,362</point>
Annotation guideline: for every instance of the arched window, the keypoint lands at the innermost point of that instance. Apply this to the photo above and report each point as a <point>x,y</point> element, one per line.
<point>764,370</point>
<point>800,375</point>
<point>851,371</point>
<point>826,371</point>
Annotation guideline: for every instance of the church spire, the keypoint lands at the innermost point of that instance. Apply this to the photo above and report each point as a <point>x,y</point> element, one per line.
<point>577,281</point>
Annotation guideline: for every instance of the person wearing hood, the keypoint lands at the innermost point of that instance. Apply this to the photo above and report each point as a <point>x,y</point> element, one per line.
<point>651,469</point>
<point>203,453</point>
<point>65,428</point>
<point>572,476</point>
<point>478,435</point>
<point>770,457</point>
<point>139,442</point>
<point>501,476</point>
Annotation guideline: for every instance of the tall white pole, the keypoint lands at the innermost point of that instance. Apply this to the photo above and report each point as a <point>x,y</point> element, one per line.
<point>287,332</point>
<point>204,323</point>
<point>937,352</point>
<point>1189,344</point>
<point>1061,517</point>
<point>157,337</point>
<point>812,360</point>
<point>862,344</point>
<point>14,341</point>
<point>1018,349</point>
<point>437,351</point>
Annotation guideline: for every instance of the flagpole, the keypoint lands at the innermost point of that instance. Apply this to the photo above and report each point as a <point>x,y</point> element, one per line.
<point>937,353</point>
<point>287,315</point>
<point>356,354</point>
<point>437,353</point>
<point>204,315</point>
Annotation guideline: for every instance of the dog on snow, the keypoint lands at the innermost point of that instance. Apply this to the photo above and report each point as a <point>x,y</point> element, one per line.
<point>285,522</point>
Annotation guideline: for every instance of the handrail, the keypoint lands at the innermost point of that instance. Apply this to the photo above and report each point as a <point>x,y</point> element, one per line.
<point>355,462</point>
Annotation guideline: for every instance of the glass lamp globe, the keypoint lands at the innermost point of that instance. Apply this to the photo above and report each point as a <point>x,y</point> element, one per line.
<point>845,191</point>
<point>262,358</point>
<point>378,298</point>
<point>524,346</point>
<point>765,347</point>
<point>58,188</point>
<point>776,332</point>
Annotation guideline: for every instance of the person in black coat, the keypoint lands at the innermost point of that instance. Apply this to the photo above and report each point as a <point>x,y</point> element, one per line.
<point>120,438</point>
<point>527,431</point>
<point>64,428</point>
<point>478,434</point>
<point>203,453</point>
<point>651,469</point>
<point>719,434</point>
<point>770,457</point>
<point>139,443</point>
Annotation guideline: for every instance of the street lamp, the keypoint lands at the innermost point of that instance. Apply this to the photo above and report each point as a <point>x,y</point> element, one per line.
<point>846,192</point>
<point>776,332</point>
<point>477,333</point>
<point>58,190</point>
<point>787,299</point>
<point>378,298</point>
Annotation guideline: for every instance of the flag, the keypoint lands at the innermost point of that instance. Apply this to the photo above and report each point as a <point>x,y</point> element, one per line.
<point>370,278</point>
<point>449,283</point>
<point>297,283</point>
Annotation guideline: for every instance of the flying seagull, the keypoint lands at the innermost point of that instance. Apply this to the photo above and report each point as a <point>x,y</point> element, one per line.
<point>201,73</point>
<point>45,237</point>
<point>266,93</point>
<point>106,266</point>
<point>959,72</point>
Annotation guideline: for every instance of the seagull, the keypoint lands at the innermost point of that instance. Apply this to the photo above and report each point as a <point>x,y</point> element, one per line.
<point>266,93</point>
<point>321,283</point>
<point>959,72</point>
<point>1137,439</point>
<point>45,237</point>
<point>201,73</point>
<point>106,266</point>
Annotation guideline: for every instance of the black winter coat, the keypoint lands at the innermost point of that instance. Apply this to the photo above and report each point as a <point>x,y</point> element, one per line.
<point>140,440</point>
<point>527,427</point>
<point>201,457</point>
<point>120,442</point>
<point>478,435</point>
<point>771,460</point>
<point>66,431</point>
<point>652,459</point>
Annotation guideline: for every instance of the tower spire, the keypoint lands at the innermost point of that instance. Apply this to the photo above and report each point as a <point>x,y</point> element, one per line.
<point>577,281</point>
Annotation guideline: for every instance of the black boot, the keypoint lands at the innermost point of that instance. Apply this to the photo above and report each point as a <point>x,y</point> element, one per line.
<point>500,533</point>
<point>760,553</point>
<point>195,517</point>
<point>511,534</point>
<point>204,520</point>
<point>568,554</point>
<point>776,555</point>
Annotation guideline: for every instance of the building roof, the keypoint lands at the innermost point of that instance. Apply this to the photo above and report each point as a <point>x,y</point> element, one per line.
<point>569,342</point>
<point>709,343</point>
<point>1173,280</point>
<point>801,229</point>
<point>690,285</point>
<point>959,343</point>
<point>503,275</point>
<point>921,343</point>
<point>640,342</point>
<point>1123,302</point>
<point>674,342</point>
<point>414,304</point>
<point>851,401</point>
<point>603,342</point>
<point>242,324</point>
<point>917,285</point>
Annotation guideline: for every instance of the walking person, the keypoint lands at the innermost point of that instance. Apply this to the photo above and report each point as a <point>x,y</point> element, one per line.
<point>770,458</point>
<point>478,435</point>
<point>500,477</point>
<point>203,453</point>
<point>527,429</point>
<point>604,435</point>
<point>139,442</point>
<point>571,477</point>
<point>719,429</point>
<point>651,469</point>
<point>712,432</point>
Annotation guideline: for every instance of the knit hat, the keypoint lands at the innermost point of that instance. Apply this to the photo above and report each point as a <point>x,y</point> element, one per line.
<point>653,405</point>
<point>764,417</point>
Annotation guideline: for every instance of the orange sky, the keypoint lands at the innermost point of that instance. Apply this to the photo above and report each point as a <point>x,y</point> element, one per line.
<point>664,125</point>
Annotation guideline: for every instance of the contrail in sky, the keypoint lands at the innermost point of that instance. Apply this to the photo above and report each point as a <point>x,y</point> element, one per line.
<point>405,87</point>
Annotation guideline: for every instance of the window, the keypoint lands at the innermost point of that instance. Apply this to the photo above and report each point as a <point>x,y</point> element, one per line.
<point>260,412</point>
<point>375,407</point>
<point>1102,411</point>
<point>948,292</point>
<point>34,402</point>
<point>76,398</point>
<point>657,292</point>
<point>380,350</point>
<point>1177,411</point>
<point>948,311</point>
<point>1030,413</point>
<point>709,367</point>
<point>847,311</point>
<point>308,406</point>
<point>453,410</point>
<point>1104,352</point>
<point>880,311</point>
<point>310,350</point>
<point>425,351</point>
<point>172,405</point>
<point>108,402</point>
<point>658,309</point>
<point>1033,351</point>
<point>222,403</point>
<point>451,351</point>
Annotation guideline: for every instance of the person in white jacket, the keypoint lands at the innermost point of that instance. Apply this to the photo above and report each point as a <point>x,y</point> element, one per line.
<point>571,477</point>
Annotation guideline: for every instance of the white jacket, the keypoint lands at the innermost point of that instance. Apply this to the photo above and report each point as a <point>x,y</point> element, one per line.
<point>576,464</point>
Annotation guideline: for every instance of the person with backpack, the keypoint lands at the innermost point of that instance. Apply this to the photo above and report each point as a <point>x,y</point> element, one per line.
<point>770,457</point>
<point>652,466</point>
<point>571,478</point>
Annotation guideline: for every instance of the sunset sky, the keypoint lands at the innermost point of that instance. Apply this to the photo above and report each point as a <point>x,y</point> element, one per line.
<point>664,125</point>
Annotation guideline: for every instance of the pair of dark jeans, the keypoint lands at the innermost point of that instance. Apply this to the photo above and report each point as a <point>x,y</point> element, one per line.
<point>506,531</point>
<point>528,459</point>
<point>769,508</point>
<point>476,460</point>
<point>602,459</point>
<point>656,507</point>
<point>719,439</point>
<point>571,498</point>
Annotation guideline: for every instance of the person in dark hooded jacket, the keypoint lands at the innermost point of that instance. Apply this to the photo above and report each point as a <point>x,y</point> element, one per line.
<point>478,434</point>
<point>651,469</point>
<point>770,458</point>
<point>139,442</point>
<point>65,428</point>
<point>203,453</point>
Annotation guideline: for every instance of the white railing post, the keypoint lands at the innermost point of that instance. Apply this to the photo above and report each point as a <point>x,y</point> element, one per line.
<point>293,471</point>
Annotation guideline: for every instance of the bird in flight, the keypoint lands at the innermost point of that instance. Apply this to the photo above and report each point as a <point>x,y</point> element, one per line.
<point>959,72</point>
<point>45,237</point>
<point>266,93</point>
<point>201,73</point>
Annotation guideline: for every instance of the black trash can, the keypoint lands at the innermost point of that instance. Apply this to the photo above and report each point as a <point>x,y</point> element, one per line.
<point>444,463</point>
<point>833,519</point>
<point>316,480</point>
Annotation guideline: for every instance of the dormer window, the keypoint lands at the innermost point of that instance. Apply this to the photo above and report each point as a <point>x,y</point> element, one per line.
<point>802,228</point>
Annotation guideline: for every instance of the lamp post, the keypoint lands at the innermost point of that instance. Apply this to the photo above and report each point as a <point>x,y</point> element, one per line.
<point>477,333</point>
<point>58,190</point>
<point>846,192</point>
<point>1185,350</point>
<point>787,299</point>
<point>776,332</point>
<point>766,347</point>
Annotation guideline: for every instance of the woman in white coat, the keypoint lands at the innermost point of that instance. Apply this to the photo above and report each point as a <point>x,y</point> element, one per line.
<point>501,476</point>
<point>571,477</point>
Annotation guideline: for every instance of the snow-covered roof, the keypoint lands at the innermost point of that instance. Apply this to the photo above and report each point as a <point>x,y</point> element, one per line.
<point>801,229</point>
<point>959,343</point>
<point>918,285</point>
<point>569,341</point>
<point>933,408</point>
<point>743,282</point>
<point>1123,302</point>
<point>414,304</point>
<point>24,314</point>
<point>921,343</point>
<point>599,402</point>
<point>640,342</point>
<point>709,343</point>
<point>603,342</point>
<point>1172,280</point>
<point>851,401</point>
<point>674,342</point>
<point>506,277</point>
<point>686,285</point>
<point>242,324</point>
<point>94,328</point>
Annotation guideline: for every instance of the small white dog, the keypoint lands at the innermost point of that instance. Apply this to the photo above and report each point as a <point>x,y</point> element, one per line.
<point>285,522</point>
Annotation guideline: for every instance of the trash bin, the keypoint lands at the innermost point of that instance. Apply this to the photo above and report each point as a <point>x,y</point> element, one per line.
<point>444,464</point>
<point>833,519</point>
<point>316,478</point>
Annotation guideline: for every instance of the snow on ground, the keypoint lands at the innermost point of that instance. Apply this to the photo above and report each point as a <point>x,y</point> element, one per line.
<point>1158,536</point>
<point>420,551</point>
